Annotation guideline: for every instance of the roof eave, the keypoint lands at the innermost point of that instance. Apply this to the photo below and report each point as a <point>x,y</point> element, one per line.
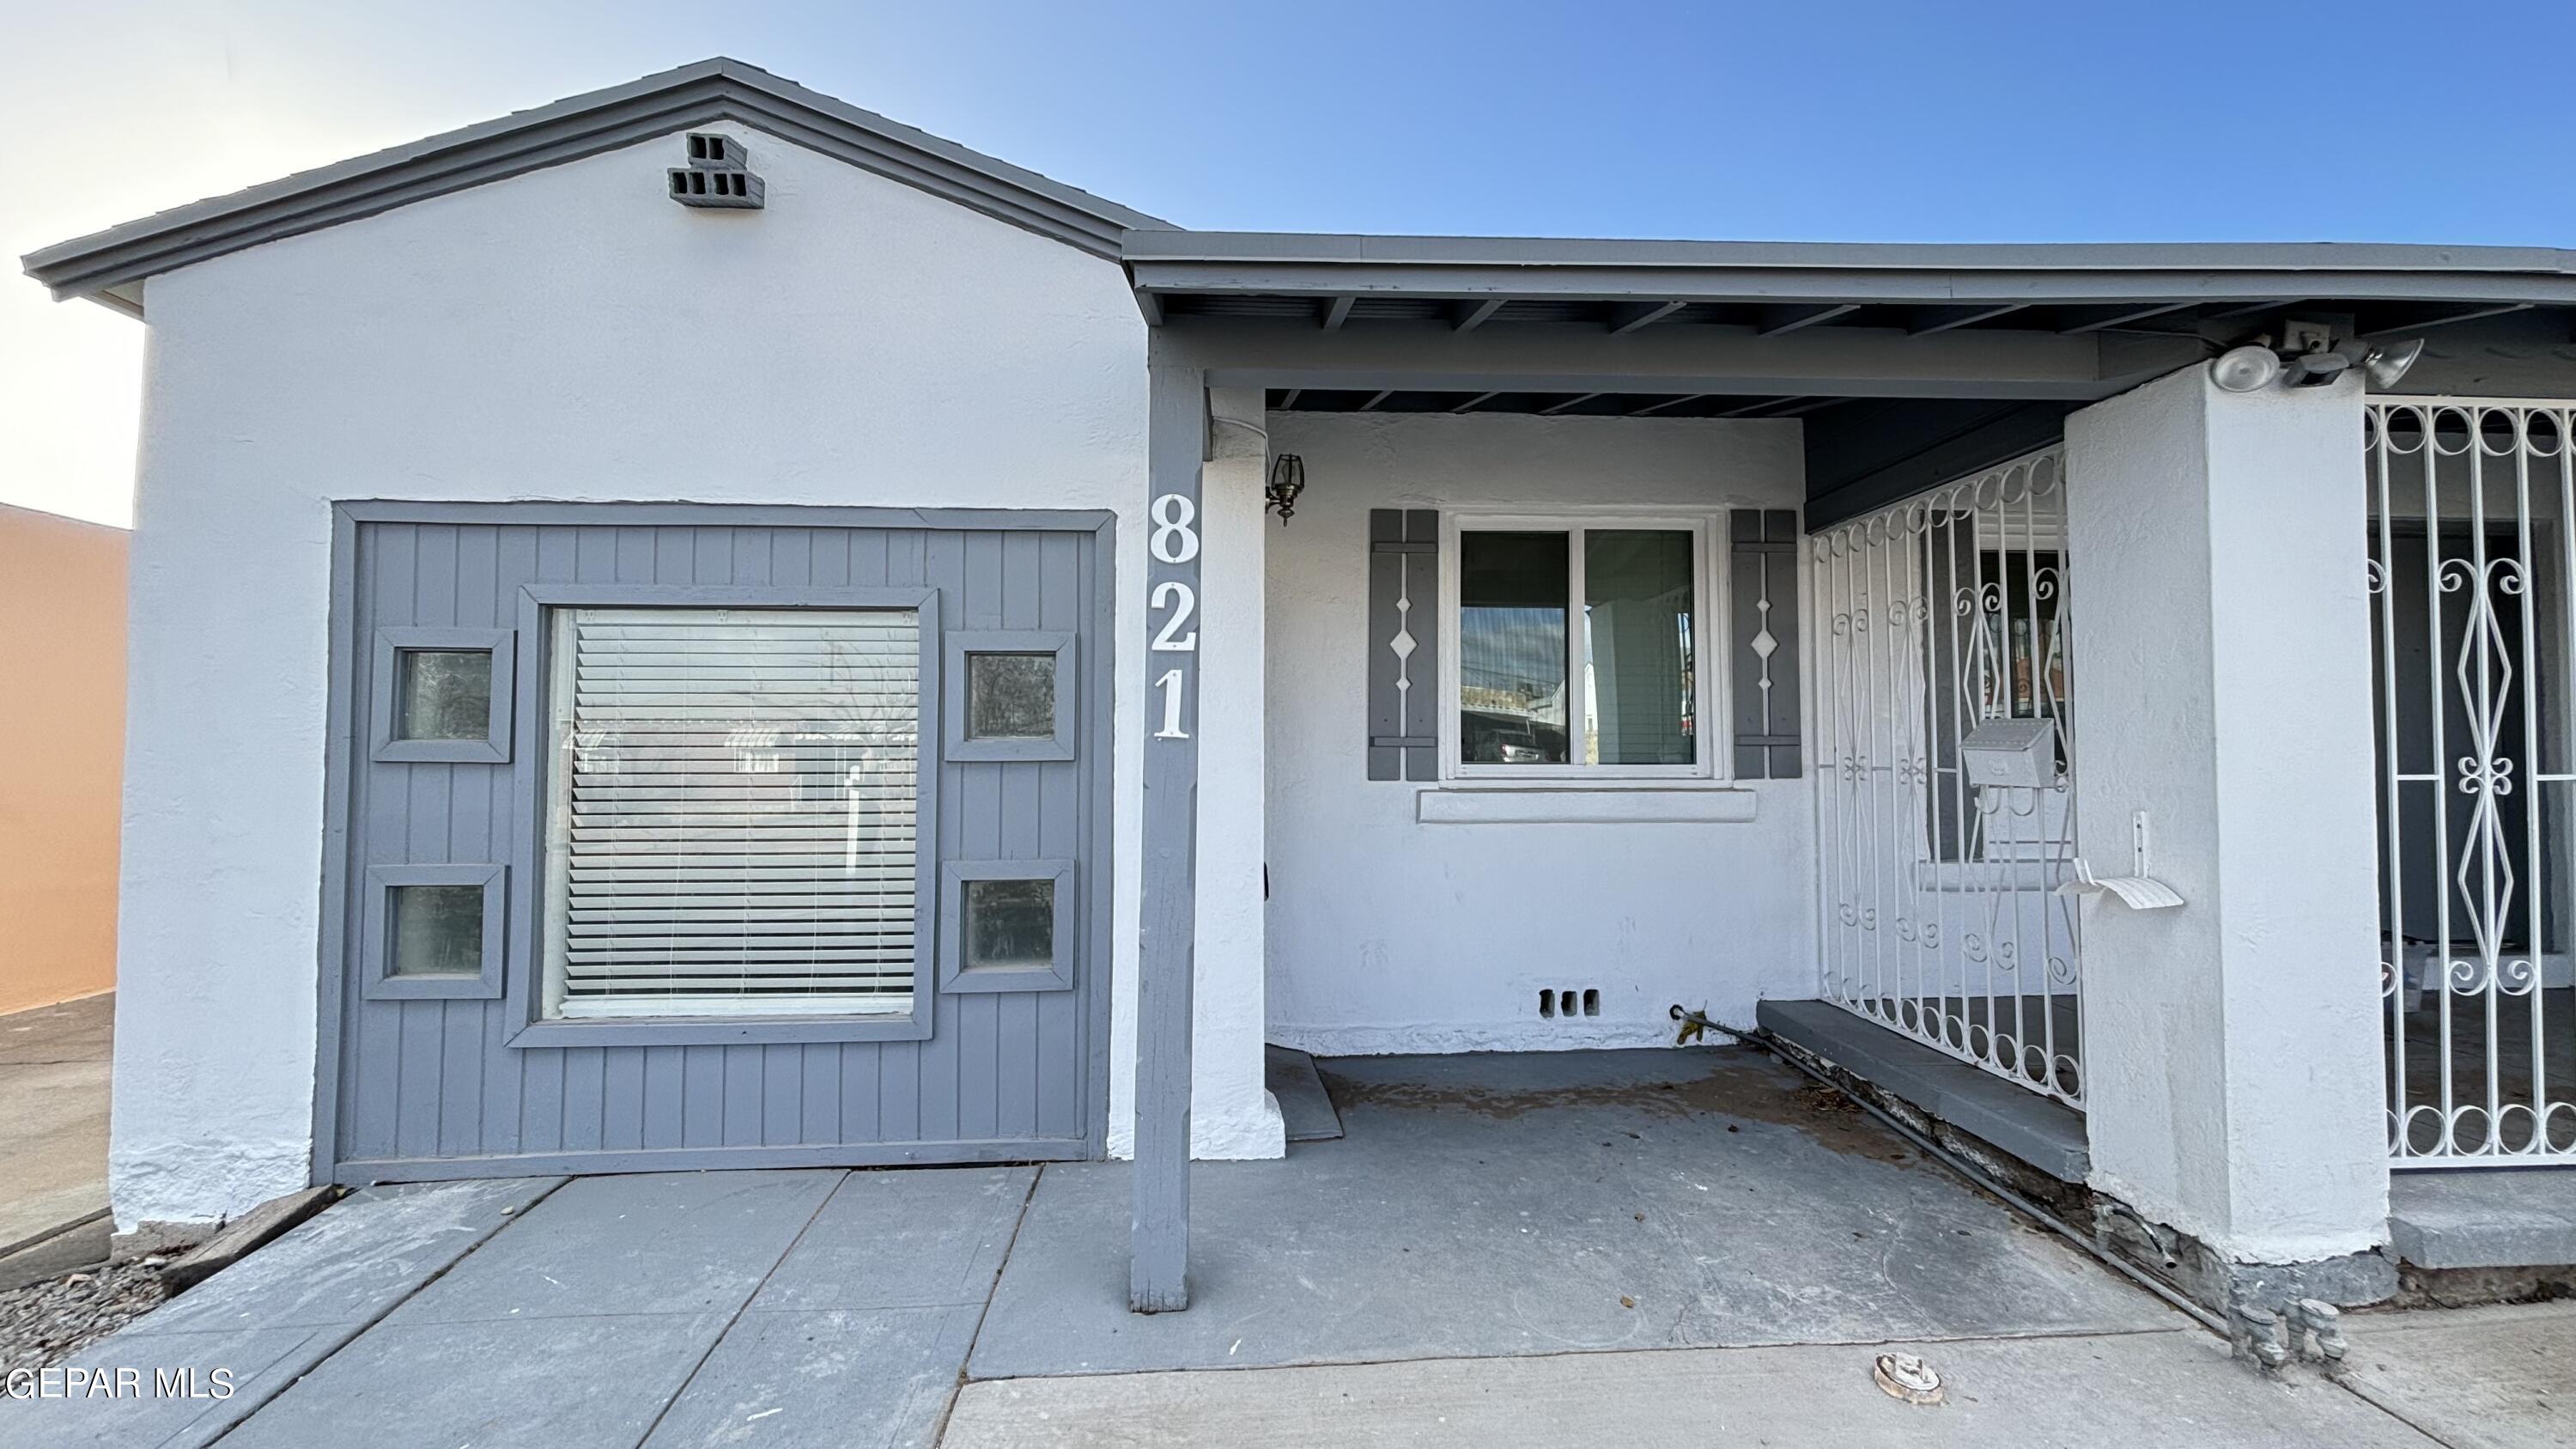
<point>718,89</point>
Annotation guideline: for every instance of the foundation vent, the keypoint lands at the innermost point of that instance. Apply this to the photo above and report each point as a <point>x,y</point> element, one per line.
<point>717,176</point>
<point>1565,1004</point>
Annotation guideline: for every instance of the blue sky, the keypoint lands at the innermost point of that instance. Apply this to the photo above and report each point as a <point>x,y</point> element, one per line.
<point>2168,120</point>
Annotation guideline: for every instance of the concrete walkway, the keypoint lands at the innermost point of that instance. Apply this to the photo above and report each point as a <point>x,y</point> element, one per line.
<point>1646,1248</point>
<point>53,1122</point>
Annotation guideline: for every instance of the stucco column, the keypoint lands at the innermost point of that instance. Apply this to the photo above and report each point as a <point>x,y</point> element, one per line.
<point>1231,1111</point>
<point>2221,684</point>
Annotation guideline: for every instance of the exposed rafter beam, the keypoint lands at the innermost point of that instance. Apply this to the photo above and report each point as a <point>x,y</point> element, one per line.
<point>1650,409</point>
<point>1798,407</point>
<point>1471,404</point>
<point>1924,321</point>
<point>1629,316</point>
<point>2464,314</point>
<point>1290,400</point>
<point>1371,405</point>
<point>1776,320</point>
<point>2121,316</point>
<point>1471,315</point>
<point>1754,408</point>
<point>2252,309</point>
<point>1337,311</point>
<point>1577,400</point>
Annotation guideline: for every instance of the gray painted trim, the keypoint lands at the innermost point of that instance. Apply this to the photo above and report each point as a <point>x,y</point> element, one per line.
<point>1237,246</point>
<point>1056,975</point>
<point>539,513</point>
<point>717,1159</point>
<point>656,105</point>
<point>530,791</point>
<point>1068,688</point>
<point>1158,1270</point>
<point>339,745</point>
<point>375,948</point>
<point>493,748</point>
<point>1479,268</point>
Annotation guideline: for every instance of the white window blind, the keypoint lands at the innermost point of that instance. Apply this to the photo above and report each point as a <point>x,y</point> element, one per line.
<point>731,825</point>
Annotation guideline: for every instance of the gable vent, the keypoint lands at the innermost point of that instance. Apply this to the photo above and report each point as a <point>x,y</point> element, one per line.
<point>717,175</point>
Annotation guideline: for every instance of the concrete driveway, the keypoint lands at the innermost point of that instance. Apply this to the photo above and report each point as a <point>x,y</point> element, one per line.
<point>53,1124</point>
<point>1643,1248</point>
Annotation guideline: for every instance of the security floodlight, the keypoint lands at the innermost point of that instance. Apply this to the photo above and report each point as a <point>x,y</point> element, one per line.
<point>2245,369</point>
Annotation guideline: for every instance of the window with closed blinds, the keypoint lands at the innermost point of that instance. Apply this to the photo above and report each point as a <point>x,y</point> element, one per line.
<point>731,825</point>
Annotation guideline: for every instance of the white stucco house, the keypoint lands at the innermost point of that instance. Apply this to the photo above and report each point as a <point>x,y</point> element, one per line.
<point>698,626</point>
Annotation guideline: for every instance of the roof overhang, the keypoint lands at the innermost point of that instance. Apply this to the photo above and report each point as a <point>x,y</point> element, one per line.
<point>1629,286</point>
<point>110,265</point>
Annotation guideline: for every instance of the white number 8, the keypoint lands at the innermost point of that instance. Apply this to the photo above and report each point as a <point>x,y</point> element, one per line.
<point>1174,541</point>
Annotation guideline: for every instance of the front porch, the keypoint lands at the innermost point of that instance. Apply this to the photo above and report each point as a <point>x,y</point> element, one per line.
<point>2018,501</point>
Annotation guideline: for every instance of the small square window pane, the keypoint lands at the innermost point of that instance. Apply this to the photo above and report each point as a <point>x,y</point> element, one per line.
<point>443,694</point>
<point>1010,923</point>
<point>437,930</point>
<point>1010,696</point>
<point>1640,686</point>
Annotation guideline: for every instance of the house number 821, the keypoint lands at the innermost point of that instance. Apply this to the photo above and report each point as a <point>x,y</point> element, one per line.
<point>1174,541</point>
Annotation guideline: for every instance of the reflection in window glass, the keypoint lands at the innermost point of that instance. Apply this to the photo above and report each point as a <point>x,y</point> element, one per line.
<point>443,694</point>
<point>437,930</point>
<point>1640,694</point>
<point>1010,923</point>
<point>1511,648</point>
<point>1010,696</point>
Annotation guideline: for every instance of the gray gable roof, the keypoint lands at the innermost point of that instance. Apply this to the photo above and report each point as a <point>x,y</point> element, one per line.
<point>566,130</point>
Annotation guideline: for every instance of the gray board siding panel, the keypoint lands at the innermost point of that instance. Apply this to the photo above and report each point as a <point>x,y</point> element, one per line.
<point>430,1089</point>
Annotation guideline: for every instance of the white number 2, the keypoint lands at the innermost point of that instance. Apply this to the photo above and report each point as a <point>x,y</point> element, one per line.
<point>1170,685</point>
<point>1177,598</point>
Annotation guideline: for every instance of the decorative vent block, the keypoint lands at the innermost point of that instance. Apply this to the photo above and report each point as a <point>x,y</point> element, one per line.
<point>711,152</point>
<point>736,189</point>
<point>715,176</point>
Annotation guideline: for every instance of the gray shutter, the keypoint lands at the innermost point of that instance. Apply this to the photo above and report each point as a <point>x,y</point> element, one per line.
<point>1404,644</point>
<point>1764,652</point>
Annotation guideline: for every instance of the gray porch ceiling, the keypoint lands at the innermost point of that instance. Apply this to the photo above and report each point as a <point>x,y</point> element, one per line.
<point>1907,364</point>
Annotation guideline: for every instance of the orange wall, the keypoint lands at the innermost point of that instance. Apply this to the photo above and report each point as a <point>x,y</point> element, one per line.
<point>62,749</point>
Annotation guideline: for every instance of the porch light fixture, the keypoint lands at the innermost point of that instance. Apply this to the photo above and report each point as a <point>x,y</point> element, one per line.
<point>2257,365</point>
<point>1287,480</point>
<point>2250,368</point>
<point>2386,365</point>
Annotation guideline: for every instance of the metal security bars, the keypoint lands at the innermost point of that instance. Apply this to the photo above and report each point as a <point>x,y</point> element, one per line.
<point>1945,807</point>
<point>2470,562</point>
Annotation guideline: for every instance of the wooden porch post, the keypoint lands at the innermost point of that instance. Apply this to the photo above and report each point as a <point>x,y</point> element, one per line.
<point>1176,446</point>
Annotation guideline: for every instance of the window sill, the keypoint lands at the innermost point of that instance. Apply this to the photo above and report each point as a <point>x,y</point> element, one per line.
<point>1649,802</point>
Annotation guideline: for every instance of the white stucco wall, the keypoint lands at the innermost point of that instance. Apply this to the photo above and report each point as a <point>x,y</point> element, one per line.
<point>2223,680</point>
<point>567,334</point>
<point>1391,935</point>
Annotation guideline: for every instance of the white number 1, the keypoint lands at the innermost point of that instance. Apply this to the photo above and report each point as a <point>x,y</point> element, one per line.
<point>1170,684</point>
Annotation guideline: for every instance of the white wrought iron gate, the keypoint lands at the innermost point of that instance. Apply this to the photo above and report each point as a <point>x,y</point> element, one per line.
<point>1945,803</point>
<point>2471,560</point>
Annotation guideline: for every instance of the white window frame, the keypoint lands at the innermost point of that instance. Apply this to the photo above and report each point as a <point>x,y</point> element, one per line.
<point>1715,754</point>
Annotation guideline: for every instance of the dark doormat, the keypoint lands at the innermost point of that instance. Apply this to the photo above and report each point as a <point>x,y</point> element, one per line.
<point>1303,1102</point>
